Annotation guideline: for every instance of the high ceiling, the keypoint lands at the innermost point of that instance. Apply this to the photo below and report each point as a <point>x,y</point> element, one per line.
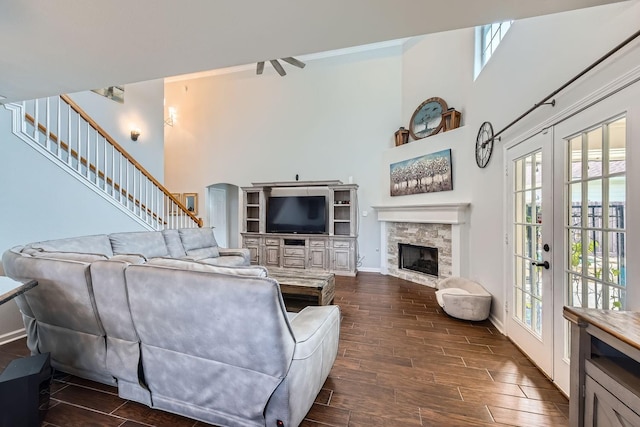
<point>63,46</point>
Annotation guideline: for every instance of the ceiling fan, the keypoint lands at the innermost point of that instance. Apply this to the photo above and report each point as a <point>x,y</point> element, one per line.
<point>278,66</point>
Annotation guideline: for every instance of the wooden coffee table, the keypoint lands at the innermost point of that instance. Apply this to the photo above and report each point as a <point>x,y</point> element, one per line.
<point>317,288</point>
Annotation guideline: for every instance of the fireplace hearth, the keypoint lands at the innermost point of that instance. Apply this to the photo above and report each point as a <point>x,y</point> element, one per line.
<point>422,259</point>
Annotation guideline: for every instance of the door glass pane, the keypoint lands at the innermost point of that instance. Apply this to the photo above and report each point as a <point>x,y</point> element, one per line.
<point>575,208</point>
<point>538,169</point>
<point>617,266</point>
<point>594,147</point>
<point>596,233</point>
<point>575,246</point>
<point>594,196</point>
<point>617,201</point>
<point>538,213</point>
<point>527,200</point>
<point>529,242</point>
<point>518,244</point>
<point>537,315</point>
<point>617,145</point>
<point>575,158</point>
<point>528,309</point>
<point>518,305</point>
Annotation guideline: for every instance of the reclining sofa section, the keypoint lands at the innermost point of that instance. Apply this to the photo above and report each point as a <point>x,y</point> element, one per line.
<point>177,323</point>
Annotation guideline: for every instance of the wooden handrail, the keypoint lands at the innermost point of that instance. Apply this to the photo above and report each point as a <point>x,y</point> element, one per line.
<point>73,153</point>
<point>128,156</point>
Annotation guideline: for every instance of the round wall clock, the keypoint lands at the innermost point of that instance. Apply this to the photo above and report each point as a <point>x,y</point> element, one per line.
<point>427,118</point>
<point>484,144</point>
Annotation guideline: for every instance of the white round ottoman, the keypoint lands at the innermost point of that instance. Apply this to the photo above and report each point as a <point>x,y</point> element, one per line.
<point>463,299</point>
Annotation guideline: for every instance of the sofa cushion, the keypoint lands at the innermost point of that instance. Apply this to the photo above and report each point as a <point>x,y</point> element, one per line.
<point>98,245</point>
<point>146,243</point>
<point>253,271</point>
<point>203,253</point>
<point>194,239</point>
<point>71,256</point>
<point>173,242</point>
<point>225,261</point>
<point>130,259</point>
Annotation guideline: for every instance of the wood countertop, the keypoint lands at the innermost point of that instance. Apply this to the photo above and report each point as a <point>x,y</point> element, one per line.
<point>624,325</point>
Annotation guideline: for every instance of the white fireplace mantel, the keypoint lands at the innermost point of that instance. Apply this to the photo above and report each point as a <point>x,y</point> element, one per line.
<point>455,214</point>
<point>443,213</point>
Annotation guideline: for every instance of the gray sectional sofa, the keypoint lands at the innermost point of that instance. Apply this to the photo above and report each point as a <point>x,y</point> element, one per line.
<point>177,323</point>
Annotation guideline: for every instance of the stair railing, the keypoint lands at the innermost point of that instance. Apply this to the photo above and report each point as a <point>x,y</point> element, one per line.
<point>68,135</point>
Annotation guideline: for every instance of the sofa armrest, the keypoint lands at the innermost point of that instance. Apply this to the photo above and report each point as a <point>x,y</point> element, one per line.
<point>244,253</point>
<point>312,326</point>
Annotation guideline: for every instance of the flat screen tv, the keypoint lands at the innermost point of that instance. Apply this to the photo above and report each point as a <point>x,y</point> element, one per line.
<point>297,214</point>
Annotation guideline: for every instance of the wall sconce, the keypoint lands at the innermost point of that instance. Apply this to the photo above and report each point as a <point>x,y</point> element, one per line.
<point>135,133</point>
<point>172,116</point>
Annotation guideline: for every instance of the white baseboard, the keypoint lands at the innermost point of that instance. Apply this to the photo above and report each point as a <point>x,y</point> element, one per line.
<point>498,324</point>
<point>369,270</point>
<point>12,336</point>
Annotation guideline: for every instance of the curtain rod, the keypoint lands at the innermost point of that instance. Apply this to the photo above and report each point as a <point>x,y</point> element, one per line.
<point>582,73</point>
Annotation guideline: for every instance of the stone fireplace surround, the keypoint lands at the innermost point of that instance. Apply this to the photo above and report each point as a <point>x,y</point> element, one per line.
<point>437,225</point>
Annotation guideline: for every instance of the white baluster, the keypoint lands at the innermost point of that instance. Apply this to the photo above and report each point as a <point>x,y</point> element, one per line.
<point>59,146</point>
<point>35,121</point>
<point>88,152</point>
<point>69,136</point>
<point>79,147</point>
<point>113,171</point>
<point>48,131</point>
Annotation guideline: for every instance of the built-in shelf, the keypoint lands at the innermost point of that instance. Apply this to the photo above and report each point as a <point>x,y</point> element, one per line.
<point>335,251</point>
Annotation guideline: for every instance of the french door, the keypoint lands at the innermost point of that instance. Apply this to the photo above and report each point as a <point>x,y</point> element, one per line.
<point>566,238</point>
<point>530,300</point>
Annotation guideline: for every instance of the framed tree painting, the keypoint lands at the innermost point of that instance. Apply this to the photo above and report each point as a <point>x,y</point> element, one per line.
<point>426,174</point>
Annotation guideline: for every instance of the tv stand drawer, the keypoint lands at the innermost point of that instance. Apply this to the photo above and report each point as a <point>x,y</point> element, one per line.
<point>293,262</point>
<point>294,252</point>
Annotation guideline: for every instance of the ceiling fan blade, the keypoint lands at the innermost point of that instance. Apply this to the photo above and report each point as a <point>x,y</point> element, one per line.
<point>278,67</point>
<point>294,61</point>
<point>260,67</point>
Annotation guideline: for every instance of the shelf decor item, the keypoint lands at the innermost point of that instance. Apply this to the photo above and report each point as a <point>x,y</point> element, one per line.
<point>451,119</point>
<point>426,174</point>
<point>190,201</point>
<point>427,119</point>
<point>402,136</point>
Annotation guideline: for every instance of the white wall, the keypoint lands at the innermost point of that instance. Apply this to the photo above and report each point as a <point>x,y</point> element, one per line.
<point>142,109</point>
<point>40,201</point>
<point>336,118</point>
<point>536,57</point>
<point>331,120</point>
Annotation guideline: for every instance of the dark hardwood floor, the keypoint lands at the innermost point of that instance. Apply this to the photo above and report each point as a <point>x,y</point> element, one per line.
<point>401,362</point>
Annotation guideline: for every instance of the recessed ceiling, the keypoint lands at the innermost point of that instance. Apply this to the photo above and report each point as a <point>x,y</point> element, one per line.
<point>64,46</point>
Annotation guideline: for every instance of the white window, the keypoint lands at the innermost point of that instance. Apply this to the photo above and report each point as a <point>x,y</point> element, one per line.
<point>488,37</point>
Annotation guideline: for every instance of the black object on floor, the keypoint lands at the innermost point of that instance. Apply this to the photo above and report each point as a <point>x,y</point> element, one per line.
<point>24,391</point>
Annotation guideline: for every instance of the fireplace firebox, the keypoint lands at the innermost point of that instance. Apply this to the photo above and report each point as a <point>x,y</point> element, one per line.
<point>422,259</point>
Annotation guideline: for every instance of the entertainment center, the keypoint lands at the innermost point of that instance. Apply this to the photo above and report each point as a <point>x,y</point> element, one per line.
<point>309,225</point>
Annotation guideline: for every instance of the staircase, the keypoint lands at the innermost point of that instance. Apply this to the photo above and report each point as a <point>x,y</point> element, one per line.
<point>61,131</point>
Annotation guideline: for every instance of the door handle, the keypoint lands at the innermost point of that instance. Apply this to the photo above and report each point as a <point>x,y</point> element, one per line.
<point>545,264</point>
